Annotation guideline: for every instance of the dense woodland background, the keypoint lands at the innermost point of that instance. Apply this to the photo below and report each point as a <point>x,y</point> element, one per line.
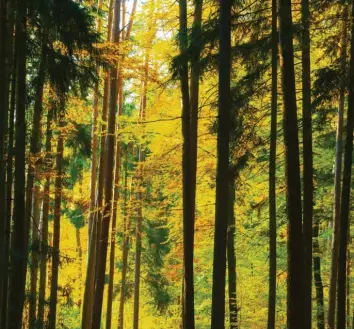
<point>176,164</point>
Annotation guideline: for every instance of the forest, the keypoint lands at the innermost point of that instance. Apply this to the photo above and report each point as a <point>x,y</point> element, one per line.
<point>176,164</point>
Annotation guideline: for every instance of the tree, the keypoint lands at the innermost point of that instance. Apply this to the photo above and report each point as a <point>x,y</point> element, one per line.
<point>45,215</point>
<point>345,199</point>
<point>307,163</point>
<point>222,179</point>
<point>57,214</point>
<point>110,141</point>
<point>272,173</point>
<point>19,251</point>
<point>338,172</point>
<point>295,307</point>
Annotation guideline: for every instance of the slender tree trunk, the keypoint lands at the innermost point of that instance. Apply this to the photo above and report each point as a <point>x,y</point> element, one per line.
<point>34,150</point>
<point>138,236</point>
<point>231,258</point>
<point>141,157</point>
<point>272,174</point>
<point>317,277</point>
<point>56,231</point>
<point>222,179</point>
<point>338,173</point>
<point>107,210</point>
<point>295,300</point>
<point>3,129</point>
<point>113,235</point>
<point>344,213</point>
<point>19,236</point>
<point>307,163</point>
<point>9,196</point>
<point>93,250</point>
<point>131,20</point>
<point>45,215</point>
<point>187,159</point>
<point>125,247</point>
<point>94,144</point>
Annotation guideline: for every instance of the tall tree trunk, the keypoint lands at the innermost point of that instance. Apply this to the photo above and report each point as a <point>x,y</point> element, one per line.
<point>45,215</point>
<point>19,236</point>
<point>93,247</point>
<point>9,188</point>
<point>338,173</point>
<point>57,214</point>
<point>188,209</point>
<point>317,277</point>
<point>295,300</point>
<point>113,233</point>
<point>344,213</point>
<point>107,210</point>
<point>272,174</point>
<point>125,247</point>
<point>3,129</point>
<point>32,168</point>
<point>307,163</point>
<point>231,258</point>
<point>131,20</point>
<point>94,144</point>
<point>138,236</point>
<point>222,179</point>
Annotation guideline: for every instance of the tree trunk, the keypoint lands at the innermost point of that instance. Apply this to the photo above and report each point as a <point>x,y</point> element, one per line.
<point>338,173</point>
<point>231,258</point>
<point>295,300</point>
<point>3,129</point>
<point>9,188</point>
<point>307,163</point>
<point>20,229</point>
<point>32,169</point>
<point>125,247</point>
<point>94,144</point>
<point>113,234</point>
<point>344,213</point>
<point>188,209</point>
<point>131,20</point>
<point>93,250</point>
<point>45,215</point>
<point>57,214</point>
<point>317,277</point>
<point>272,174</point>
<point>222,179</point>
<point>107,210</point>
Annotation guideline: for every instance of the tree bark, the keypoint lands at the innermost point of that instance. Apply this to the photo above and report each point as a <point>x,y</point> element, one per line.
<point>295,299</point>
<point>57,214</point>
<point>32,169</point>
<point>317,277</point>
<point>107,210</point>
<point>125,247</point>
<point>307,163</point>
<point>344,213</point>
<point>9,196</point>
<point>338,173</point>
<point>222,179</point>
<point>187,156</point>
<point>45,215</point>
<point>94,240</point>
<point>231,258</point>
<point>20,229</point>
<point>272,174</point>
